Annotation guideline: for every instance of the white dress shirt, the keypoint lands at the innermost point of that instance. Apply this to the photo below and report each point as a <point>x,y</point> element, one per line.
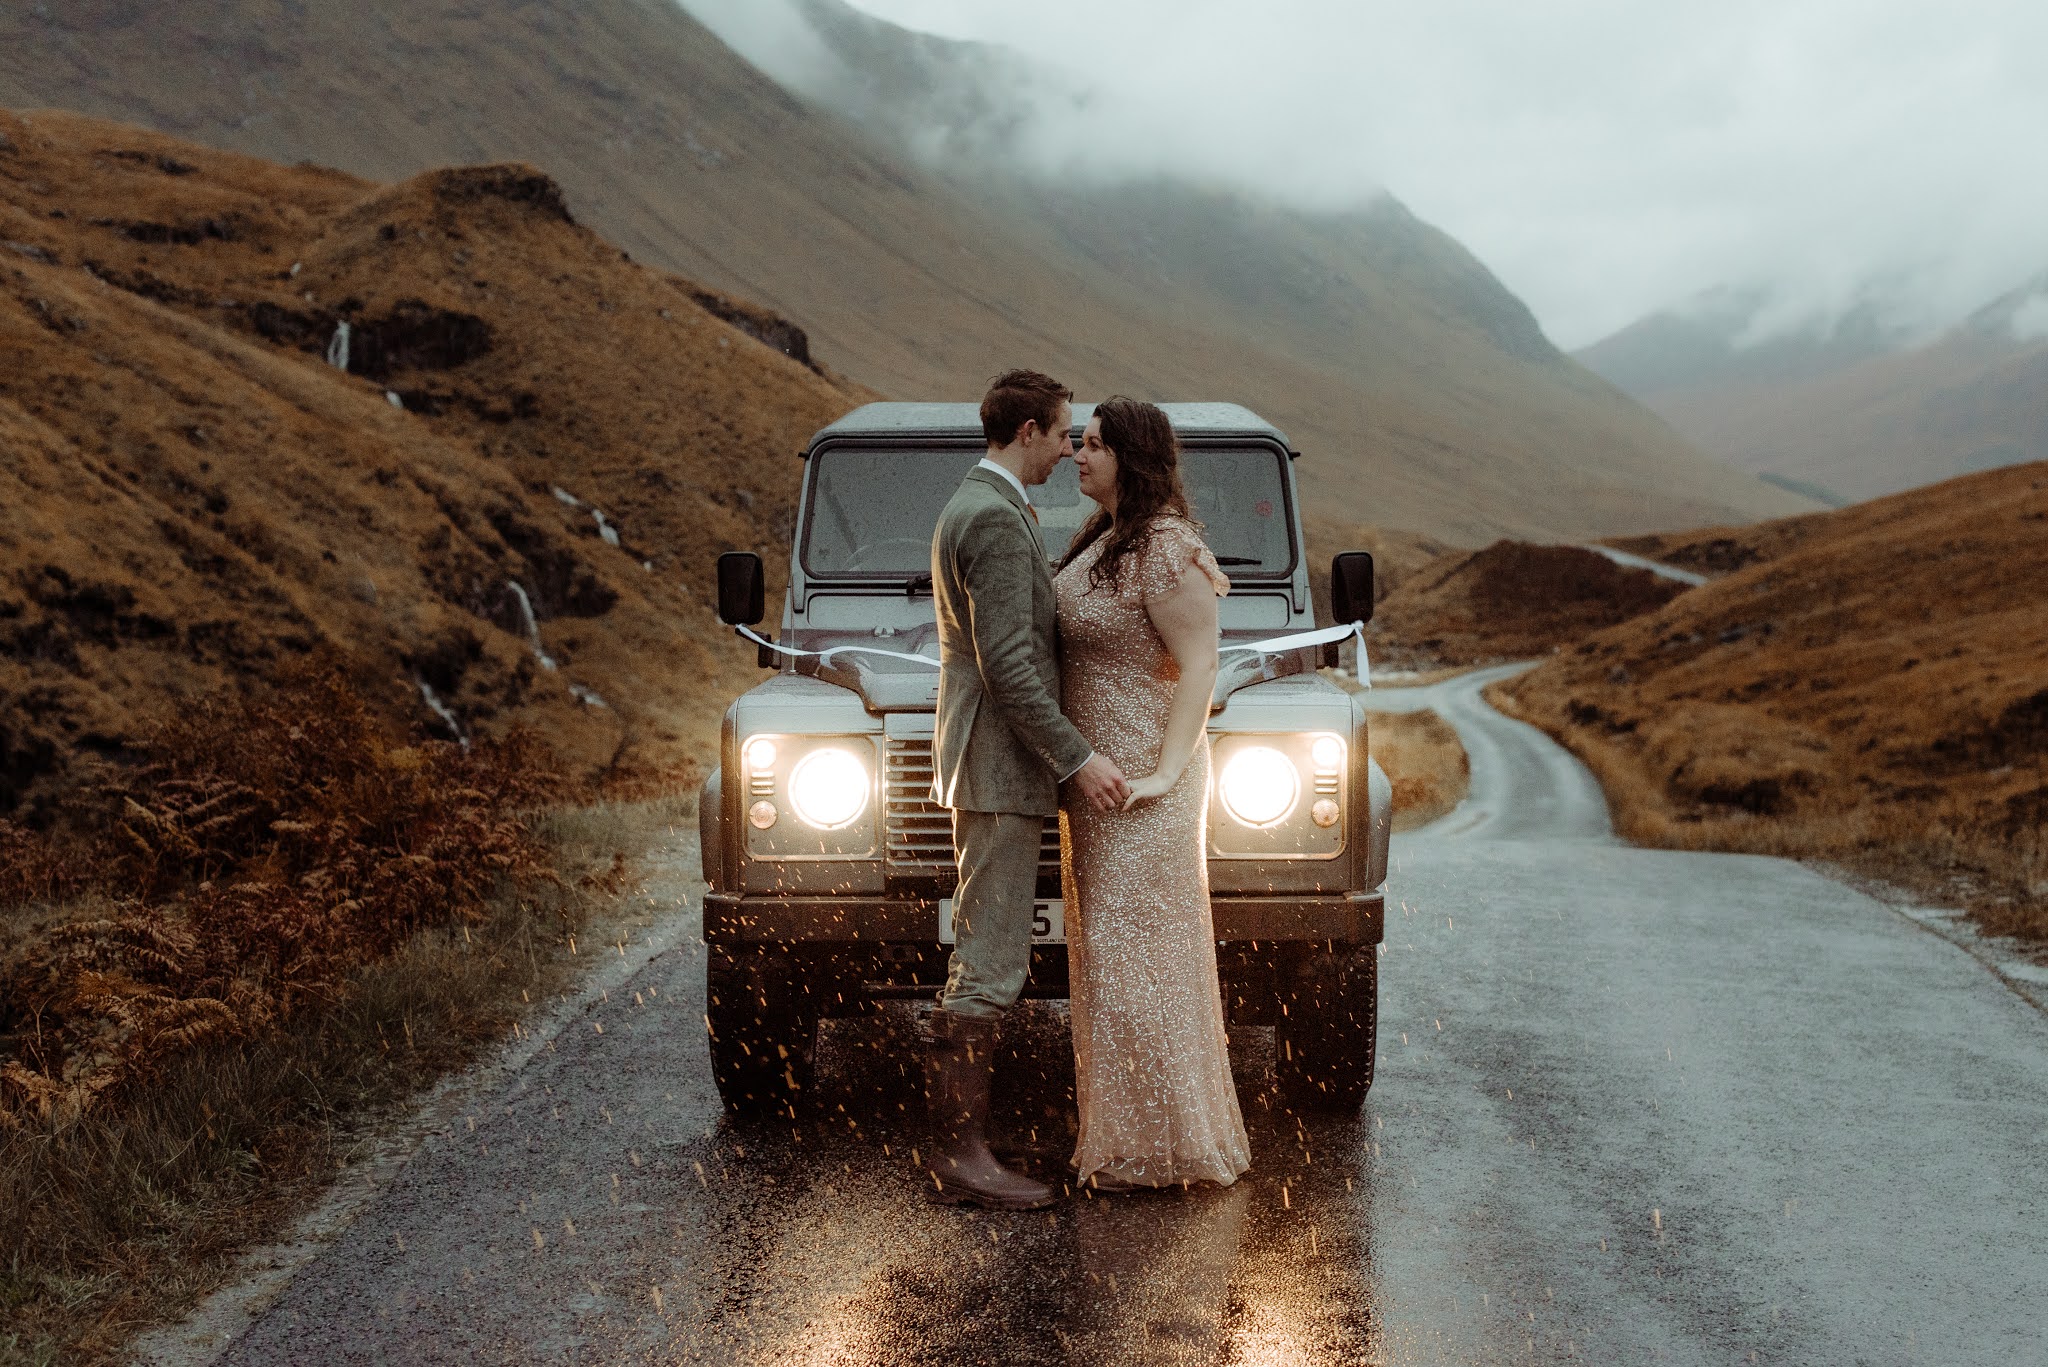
<point>1015,483</point>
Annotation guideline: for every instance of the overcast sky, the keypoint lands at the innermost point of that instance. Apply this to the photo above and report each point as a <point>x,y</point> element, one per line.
<point>1605,157</point>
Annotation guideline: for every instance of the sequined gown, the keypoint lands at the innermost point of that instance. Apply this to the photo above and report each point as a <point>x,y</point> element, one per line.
<point>1151,1062</point>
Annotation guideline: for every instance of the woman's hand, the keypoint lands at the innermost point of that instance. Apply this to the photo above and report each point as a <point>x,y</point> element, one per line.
<point>1151,786</point>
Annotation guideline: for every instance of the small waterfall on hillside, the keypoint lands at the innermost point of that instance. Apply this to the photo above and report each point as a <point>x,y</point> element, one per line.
<point>605,530</point>
<point>337,347</point>
<point>441,710</point>
<point>532,626</point>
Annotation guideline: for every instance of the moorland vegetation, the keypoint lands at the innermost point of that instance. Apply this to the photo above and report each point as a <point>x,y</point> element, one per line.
<point>1867,687</point>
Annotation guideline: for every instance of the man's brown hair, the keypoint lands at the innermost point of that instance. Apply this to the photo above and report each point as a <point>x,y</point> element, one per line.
<point>1016,397</point>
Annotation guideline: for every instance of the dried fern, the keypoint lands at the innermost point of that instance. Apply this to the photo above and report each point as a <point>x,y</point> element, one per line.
<point>269,849</point>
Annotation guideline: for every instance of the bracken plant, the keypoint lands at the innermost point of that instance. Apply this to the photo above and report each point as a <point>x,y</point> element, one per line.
<point>267,849</point>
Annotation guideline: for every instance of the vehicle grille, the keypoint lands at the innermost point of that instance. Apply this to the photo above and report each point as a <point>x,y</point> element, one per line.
<point>920,832</point>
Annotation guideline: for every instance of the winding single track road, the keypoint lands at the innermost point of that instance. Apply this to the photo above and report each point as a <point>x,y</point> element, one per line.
<point>1632,1106</point>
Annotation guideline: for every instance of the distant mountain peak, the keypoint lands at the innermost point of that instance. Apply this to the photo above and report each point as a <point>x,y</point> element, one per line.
<point>1856,402</point>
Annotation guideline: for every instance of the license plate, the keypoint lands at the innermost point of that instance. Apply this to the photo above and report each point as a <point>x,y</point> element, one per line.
<point>1048,922</point>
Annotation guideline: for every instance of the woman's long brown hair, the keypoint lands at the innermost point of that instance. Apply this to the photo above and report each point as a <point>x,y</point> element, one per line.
<point>1147,453</point>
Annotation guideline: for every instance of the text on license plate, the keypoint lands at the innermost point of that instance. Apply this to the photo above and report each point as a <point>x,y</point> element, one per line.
<point>1048,922</point>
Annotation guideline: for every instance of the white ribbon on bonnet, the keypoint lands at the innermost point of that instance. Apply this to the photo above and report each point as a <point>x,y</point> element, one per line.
<point>1274,646</point>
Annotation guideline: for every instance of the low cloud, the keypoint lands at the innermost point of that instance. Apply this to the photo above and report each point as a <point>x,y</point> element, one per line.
<point>1606,158</point>
<point>2030,320</point>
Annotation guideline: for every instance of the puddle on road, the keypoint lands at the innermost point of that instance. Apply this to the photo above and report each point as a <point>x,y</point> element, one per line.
<point>816,1243</point>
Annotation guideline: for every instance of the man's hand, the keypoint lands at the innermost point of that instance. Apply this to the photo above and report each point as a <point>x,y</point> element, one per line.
<point>1102,783</point>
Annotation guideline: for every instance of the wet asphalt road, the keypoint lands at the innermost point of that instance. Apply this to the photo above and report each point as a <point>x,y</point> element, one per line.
<point>1632,1106</point>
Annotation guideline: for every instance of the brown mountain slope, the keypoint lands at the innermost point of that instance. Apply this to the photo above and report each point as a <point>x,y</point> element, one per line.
<point>194,494</point>
<point>1509,601</point>
<point>1873,688</point>
<point>1858,417</point>
<point>1423,392</point>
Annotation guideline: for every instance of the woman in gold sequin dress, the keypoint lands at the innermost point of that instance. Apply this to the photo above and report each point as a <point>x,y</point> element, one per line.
<point>1137,615</point>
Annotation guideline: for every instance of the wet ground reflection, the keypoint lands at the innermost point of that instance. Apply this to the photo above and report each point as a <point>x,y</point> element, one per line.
<point>819,1246</point>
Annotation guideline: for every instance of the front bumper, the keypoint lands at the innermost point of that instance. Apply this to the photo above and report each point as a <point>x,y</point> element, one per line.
<point>729,917</point>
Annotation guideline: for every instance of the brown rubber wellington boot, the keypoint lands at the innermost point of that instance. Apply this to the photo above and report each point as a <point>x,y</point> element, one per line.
<point>959,1056</point>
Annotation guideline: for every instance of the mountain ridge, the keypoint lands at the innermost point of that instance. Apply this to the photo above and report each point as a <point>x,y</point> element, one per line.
<point>1853,408</point>
<point>912,280</point>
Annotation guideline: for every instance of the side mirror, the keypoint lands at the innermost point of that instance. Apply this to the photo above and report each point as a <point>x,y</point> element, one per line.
<point>1351,587</point>
<point>742,589</point>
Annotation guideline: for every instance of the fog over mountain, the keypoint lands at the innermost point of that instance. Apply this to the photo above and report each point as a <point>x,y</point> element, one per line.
<point>1607,160</point>
<point>1849,410</point>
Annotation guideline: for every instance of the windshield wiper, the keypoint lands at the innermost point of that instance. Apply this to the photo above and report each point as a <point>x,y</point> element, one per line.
<point>1239,560</point>
<point>916,584</point>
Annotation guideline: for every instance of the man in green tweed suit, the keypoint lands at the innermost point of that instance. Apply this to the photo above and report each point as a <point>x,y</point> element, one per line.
<point>1001,751</point>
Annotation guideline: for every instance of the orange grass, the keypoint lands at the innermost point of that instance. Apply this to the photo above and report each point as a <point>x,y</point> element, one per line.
<point>1510,601</point>
<point>279,928</point>
<point>1421,754</point>
<point>1868,689</point>
<point>270,846</point>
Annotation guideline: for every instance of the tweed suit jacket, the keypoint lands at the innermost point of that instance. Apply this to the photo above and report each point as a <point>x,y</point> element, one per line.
<point>1002,744</point>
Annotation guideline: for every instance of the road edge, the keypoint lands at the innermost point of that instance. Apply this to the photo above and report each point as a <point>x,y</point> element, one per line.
<point>2021,968</point>
<point>265,1272</point>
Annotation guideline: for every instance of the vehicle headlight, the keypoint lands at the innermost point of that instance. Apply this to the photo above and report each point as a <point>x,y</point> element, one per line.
<point>1279,795</point>
<point>829,788</point>
<point>1259,786</point>
<point>808,797</point>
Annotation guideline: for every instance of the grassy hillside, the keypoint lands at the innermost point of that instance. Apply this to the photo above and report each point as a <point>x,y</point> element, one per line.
<point>1422,391</point>
<point>1864,685</point>
<point>1509,601</point>
<point>197,496</point>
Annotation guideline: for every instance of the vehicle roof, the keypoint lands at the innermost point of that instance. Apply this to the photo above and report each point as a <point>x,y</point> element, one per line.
<point>964,420</point>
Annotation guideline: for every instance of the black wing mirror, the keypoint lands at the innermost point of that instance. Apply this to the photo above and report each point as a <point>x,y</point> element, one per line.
<point>1351,587</point>
<point>742,589</point>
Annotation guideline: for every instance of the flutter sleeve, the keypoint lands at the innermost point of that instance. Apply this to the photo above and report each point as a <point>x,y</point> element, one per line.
<point>1173,546</point>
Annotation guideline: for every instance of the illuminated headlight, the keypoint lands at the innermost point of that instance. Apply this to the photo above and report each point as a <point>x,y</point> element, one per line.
<point>1259,786</point>
<point>1279,795</point>
<point>829,788</point>
<point>808,797</point>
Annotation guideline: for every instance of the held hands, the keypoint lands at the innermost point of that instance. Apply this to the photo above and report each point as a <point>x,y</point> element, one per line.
<point>1146,788</point>
<point>1102,784</point>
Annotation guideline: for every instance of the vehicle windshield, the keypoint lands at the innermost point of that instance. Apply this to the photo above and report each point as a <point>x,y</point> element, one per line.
<point>871,510</point>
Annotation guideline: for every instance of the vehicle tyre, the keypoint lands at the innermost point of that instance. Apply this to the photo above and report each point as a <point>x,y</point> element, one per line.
<point>1325,1034</point>
<point>763,1029</point>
